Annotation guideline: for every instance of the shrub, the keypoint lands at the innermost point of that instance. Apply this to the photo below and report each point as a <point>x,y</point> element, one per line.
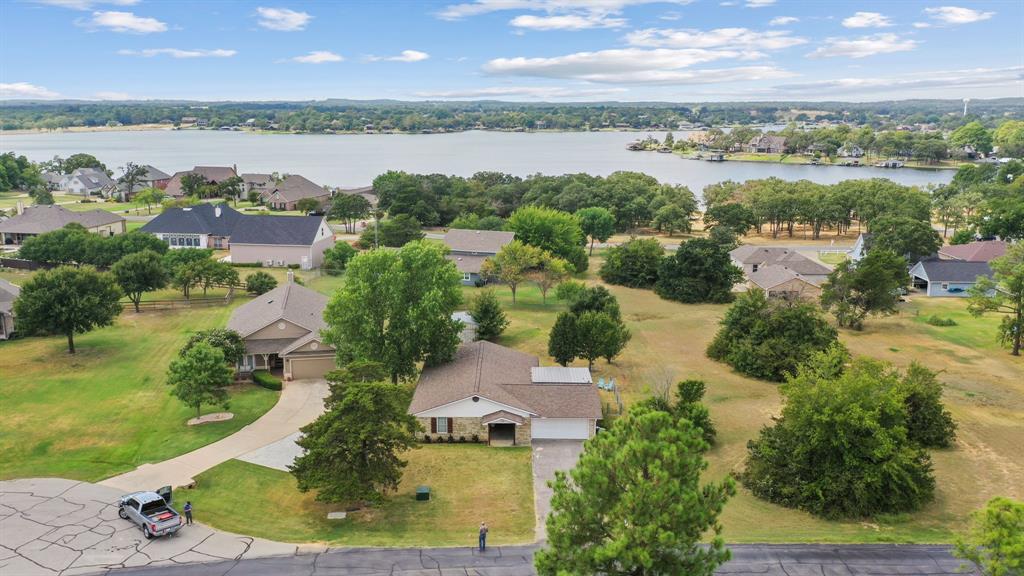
<point>266,380</point>
<point>634,263</point>
<point>337,257</point>
<point>935,320</point>
<point>476,438</point>
<point>426,439</point>
<point>462,439</point>
<point>700,271</point>
<point>260,283</point>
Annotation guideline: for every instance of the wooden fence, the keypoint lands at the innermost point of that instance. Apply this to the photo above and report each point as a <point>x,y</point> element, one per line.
<point>19,264</point>
<point>175,304</point>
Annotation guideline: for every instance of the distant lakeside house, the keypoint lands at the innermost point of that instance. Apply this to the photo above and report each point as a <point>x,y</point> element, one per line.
<point>281,331</point>
<point>257,182</point>
<point>8,294</point>
<point>504,397</point>
<point>285,195</point>
<point>943,278</point>
<point>36,220</point>
<point>86,182</point>
<point>766,144</point>
<point>469,248</point>
<point>265,240</point>
<point>211,175</point>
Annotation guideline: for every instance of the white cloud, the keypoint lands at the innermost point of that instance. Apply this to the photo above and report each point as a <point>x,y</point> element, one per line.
<point>318,57</point>
<point>525,91</point>
<point>405,56</point>
<point>957,15</point>
<point>24,90</point>
<point>783,20</point>
<point>126,22</point>
<point>85,4</point>
<point>759,3</point>
<point>567,22</point>
<point>863,46</point>
<point>478,7</point>
<point>112,96</point>
<point>727,3</point>
<point>670,16</point>
<point>953,81</point>
<point>922,25</point>
<point>729,38</point>
<point>867,20</point>
<point>180,53</point>
<point>635,66</point>
<point>282,19</point>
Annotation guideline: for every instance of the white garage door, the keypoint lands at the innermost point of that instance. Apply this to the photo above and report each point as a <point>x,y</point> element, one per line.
<point>560,428</point>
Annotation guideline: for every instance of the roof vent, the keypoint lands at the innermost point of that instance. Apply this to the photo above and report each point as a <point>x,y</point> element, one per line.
<point>216,211</point>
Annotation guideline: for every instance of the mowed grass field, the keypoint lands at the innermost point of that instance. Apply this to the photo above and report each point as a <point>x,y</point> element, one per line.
<point>107,409</point>
<point>470,484</point>
<point>984,391</point>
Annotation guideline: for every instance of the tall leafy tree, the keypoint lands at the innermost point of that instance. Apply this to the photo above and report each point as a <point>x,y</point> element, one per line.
<point>671,218</point>
<point>634,263</point>
<point>549,272</point>
<point>353,450</point>
<point>490,319</point>
<point>699,271</point>
<point>870,286</point>
<point>67,301</point>
<point>733,215</point>
<point>841,448</point>
<point>597,223</point>
<point>911,238</point>
<point>1003,293</point>
<point>395,308</point>
<point>138,273</point>
<point>975,134</point>
<point>200,376</point>
<point>81,160</point>
<point>337,257</point>
<point>149,197</point>
<point>552,230</point>
<point>349,208</point>
<point>131,175</point>
<point>994,541</point>
<point>634,503</point>
<point>512,264</point>
<point>929,424</point>
<point>229,342</point>
<point>308,205</point>
<point>598,335</point>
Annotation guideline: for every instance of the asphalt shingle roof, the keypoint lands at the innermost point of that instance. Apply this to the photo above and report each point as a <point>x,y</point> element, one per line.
<point>975,251</point>
<point>198,219</point>
<point>481,241</point>
<point>767,256</point>
<point>954,270</point>
<point>295,187</point>
<point>40,219</point>
<point>768,277</point>
<point>280,230</point>
<point>291,302</point>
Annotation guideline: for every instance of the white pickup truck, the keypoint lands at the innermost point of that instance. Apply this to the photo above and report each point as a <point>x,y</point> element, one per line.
<point>151,511</point>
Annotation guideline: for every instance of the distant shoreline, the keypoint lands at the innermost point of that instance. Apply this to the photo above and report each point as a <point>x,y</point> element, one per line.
<point>166,128</point>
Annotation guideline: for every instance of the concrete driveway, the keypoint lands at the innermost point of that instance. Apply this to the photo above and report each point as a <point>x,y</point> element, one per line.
<point>549,456</point>
<point>301,402</point>
<point>57,527</point>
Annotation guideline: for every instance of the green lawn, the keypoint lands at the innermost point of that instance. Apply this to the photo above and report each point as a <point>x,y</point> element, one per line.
<point>832,258</point>
<point>470,484</point>
<point>106,409</point>
<point>984,391</point>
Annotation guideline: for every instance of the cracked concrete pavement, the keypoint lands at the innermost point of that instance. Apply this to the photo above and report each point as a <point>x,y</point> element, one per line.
<point>52,526</point>
<point>57,527</point>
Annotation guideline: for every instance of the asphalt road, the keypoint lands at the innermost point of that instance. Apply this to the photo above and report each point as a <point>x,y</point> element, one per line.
<point>748,560</point>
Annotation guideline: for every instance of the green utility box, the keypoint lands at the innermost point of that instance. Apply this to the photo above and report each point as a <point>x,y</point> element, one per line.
<point>423,492</point>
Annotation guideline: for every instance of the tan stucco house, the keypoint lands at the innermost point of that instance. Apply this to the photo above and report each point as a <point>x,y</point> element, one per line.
<point>281,330</point>
<point>783,283</point>
<point>281,241</point>
<point>35,220</point>
<point>504,397</point>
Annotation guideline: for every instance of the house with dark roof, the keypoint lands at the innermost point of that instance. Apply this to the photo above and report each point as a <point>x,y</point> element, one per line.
<point>936,277</point>
<point>782,282</point>
<point>201,226</point>
<point>766,144</point>
<point>281,241</point>
<point>469,248</point>
<point>281,331</point>
<point>983,251</point>
<point>504,397</point>
<point>258,182</point>
<point>35,220</point>
<point>8,294</point>
<point>285,195</point>
<point>752,259</point>
<point>366,192</point>
<point>212,174</point>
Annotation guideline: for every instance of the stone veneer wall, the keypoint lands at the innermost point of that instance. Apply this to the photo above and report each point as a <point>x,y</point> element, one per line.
<point>469,426</point>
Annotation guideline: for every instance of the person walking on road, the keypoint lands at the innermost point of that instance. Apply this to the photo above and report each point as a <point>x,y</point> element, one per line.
<point>483,536</point>
<point>188,513</point>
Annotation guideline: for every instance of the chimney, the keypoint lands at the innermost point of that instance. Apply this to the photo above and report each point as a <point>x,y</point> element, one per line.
<point>291,276</point>
<point>21,207</point>
<point>216,211</point>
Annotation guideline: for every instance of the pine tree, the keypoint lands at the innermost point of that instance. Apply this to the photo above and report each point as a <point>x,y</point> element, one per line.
<point>490,319</point>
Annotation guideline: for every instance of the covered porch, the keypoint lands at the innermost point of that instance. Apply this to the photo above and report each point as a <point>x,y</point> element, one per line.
<point>503,428</point>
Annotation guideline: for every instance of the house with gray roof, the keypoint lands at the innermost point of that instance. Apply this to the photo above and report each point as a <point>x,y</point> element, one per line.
<point>35,220</point>
<point>766,144</point>
<point>751,259</point>
<point>469,248</point>
<point>8,294</point>
<point>212,174</point>
<point>204,225</point>
<point>504,397</point>
<point>281,331</point>
<point>782,282</point>
<point>947,278</point>
<point>87,182</point>
<point>258,182</point>
<point>281,241</point>
<point>285,195</point>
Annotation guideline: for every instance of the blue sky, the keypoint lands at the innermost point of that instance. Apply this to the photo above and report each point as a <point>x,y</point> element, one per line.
<point>530,50</point>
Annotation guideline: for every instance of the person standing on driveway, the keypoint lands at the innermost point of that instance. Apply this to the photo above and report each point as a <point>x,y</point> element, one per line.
<point>483,536</point>
<point>188,513</point>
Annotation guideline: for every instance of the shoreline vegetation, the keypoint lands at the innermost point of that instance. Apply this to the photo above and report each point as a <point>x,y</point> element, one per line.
<point>170,128</point>
<point>801,160</point>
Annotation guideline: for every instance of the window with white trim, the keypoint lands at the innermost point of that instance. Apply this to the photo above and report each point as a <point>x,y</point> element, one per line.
<point>442,426</point>
<point>466,277</point>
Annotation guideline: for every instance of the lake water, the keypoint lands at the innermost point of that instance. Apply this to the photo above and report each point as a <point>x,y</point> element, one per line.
<point>354,160</point>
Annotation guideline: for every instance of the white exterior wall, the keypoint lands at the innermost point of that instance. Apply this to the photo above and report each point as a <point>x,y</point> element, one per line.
<point>466,408</point>
<point>204,239</point>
